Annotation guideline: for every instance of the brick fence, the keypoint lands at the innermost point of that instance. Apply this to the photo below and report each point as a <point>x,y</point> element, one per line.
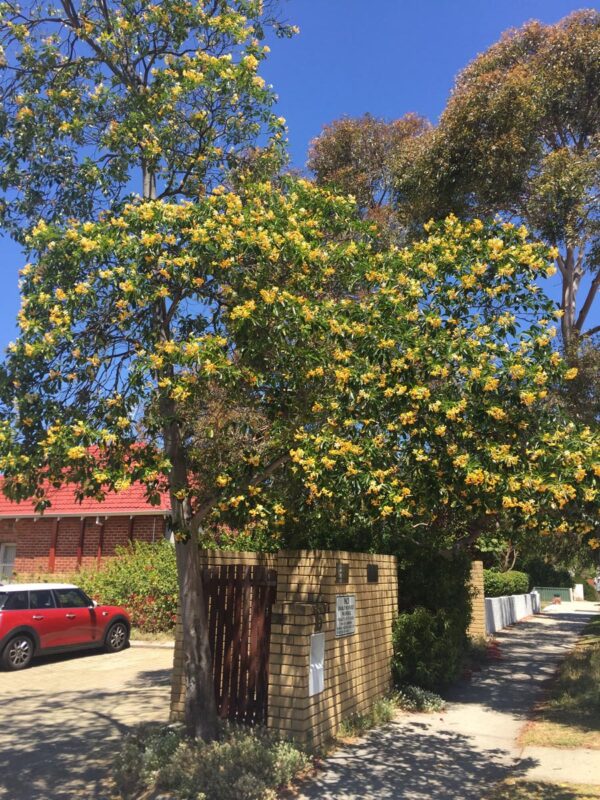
<point>316,592</point>
<point>477,627</point>
<point>337,605</point>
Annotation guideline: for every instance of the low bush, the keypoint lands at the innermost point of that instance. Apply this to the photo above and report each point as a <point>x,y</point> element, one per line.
<point>143,578</point>
<point>429,647</point>
<point>243,765</point>
<point>589,593</point>
<point>383,711</point>
<point>500,584</point>
<point>413,698</point>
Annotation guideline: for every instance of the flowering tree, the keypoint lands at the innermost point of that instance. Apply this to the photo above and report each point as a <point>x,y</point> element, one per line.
<point>392,385</point>
<point>102,99</point>
<point>98,100</point>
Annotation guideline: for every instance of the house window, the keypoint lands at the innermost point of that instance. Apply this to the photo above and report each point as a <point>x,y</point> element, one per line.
<point>7,560</point>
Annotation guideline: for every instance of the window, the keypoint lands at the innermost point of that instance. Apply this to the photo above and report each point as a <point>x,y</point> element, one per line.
<point>71,598</point>
<point>14,601</point>
<point>8,553</point>
<point>41,598</point>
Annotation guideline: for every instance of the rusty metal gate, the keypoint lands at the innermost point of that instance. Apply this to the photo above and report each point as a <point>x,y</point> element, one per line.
<point>239,600</point>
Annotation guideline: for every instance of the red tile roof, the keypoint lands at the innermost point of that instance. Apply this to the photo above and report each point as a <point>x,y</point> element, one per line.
<point>128,501</point>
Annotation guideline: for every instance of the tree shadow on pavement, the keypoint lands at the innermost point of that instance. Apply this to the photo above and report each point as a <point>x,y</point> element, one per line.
<point>408,761</point>
<point>529,656</point>
<point>67,753</point>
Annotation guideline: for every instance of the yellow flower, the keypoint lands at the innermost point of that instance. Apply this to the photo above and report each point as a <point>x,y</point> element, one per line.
<point>75,453</point>
<point>527,398</point>
<point>497,413</point>
<point>223,480</point>
<point>88,245</point>
<point>244,310</point>
<point>572,373</point>
<point>491,385</point>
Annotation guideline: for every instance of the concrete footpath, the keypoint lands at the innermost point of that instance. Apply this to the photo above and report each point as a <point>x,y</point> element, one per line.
<point>462,751</point>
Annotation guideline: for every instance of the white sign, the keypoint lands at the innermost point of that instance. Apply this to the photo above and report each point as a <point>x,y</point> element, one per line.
<point>345,614</point>
<point>316,676</point>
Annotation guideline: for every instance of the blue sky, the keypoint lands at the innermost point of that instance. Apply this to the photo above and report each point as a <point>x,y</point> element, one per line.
<point>386,57</point>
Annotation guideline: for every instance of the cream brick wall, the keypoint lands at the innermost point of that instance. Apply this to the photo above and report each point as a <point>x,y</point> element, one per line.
<point>477,626</point>
<point>357,667</point>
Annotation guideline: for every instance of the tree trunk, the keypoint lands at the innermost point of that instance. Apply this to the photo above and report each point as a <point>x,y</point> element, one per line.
<point>200,707</point>
<point>201,719</point>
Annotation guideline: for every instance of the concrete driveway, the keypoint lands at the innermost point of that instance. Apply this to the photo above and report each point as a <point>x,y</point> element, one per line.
<point>61,720</point>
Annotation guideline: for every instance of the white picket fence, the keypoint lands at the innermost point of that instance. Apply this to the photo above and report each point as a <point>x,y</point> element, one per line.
<point>503,611</point>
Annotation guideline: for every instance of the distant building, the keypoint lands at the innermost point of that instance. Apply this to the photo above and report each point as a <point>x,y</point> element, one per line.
<point>71,535</point>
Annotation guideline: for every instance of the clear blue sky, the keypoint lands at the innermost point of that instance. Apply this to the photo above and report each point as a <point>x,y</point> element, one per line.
<point>386,57</point>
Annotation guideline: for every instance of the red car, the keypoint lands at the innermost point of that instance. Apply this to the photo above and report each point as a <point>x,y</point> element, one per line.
<point>42,618</point>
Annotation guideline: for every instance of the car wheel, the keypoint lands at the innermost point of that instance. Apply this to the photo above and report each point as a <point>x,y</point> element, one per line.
<point>117,637</point>
<point>18,652</point>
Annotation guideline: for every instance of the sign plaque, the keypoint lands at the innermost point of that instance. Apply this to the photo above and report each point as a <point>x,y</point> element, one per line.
<point>345,614</point>
<point>316,676</point>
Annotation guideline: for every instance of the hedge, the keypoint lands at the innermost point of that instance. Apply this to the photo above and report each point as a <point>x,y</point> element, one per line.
<point>429,648</point>
<point>143,579</point>
<point>500,584</point>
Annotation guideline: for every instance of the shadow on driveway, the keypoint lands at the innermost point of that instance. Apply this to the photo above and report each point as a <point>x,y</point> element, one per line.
<point>63,719</point>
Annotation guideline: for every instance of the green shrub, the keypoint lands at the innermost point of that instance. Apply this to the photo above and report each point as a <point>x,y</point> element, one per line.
<point>429,647</point>
<point>543,574</point>
<point>143,578</point>
<point>244,764</point>
<point>589,593</point>
<point>500,584</point>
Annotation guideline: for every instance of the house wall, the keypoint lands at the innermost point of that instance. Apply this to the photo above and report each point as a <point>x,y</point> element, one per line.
<point>34,540</point>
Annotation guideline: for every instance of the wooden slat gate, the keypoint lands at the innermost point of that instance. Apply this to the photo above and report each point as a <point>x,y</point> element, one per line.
<point>239,600</point>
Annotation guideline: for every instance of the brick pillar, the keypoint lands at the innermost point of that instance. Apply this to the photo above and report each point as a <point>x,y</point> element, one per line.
<point>477,626</point>
<point>289,711</point>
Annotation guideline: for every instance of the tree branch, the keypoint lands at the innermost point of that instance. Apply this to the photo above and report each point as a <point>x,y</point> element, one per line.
<point>207,506</point>
<point>588,302</point>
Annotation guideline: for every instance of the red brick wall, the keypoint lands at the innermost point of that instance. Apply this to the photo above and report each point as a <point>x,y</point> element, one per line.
<point>34,538</point>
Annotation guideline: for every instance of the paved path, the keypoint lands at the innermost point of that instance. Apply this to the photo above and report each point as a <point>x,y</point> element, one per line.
<point>59,720</point>
<point>462,751</point>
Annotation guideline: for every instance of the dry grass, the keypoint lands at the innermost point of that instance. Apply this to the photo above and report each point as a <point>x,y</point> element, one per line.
<point>569,716</point>
<point>533,790</point>
<point>162,636</point>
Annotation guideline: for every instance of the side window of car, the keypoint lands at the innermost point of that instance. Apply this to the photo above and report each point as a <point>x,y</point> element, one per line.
<point>71,598</point>
<point>16,601</point>
<point>41,598</point>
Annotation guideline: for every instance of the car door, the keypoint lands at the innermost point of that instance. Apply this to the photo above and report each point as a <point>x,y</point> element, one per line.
<point>46,620</point>
<point>79,617</point>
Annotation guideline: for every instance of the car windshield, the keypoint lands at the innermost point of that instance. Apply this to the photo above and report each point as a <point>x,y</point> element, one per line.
<point>3,596</point>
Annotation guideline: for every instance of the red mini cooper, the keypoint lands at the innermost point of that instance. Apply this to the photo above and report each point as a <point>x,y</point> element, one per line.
<point>42,618</point>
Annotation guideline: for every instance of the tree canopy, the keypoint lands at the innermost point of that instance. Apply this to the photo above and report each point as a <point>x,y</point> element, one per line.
<point>392,384</point>
<point>100,100</point>
<point>361,157</point>
<point>520,136</point>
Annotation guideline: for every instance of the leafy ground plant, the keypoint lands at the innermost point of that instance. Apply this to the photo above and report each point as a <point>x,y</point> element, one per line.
<point>413,698</point>
<point>407,698</point>
<point>570,714</point>
<point>243,764</point>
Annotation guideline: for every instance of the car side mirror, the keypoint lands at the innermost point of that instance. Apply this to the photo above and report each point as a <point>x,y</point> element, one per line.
<point>94,604</point>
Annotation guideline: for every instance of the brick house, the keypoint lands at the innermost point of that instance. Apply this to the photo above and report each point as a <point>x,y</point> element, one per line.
<point>71,535</point>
